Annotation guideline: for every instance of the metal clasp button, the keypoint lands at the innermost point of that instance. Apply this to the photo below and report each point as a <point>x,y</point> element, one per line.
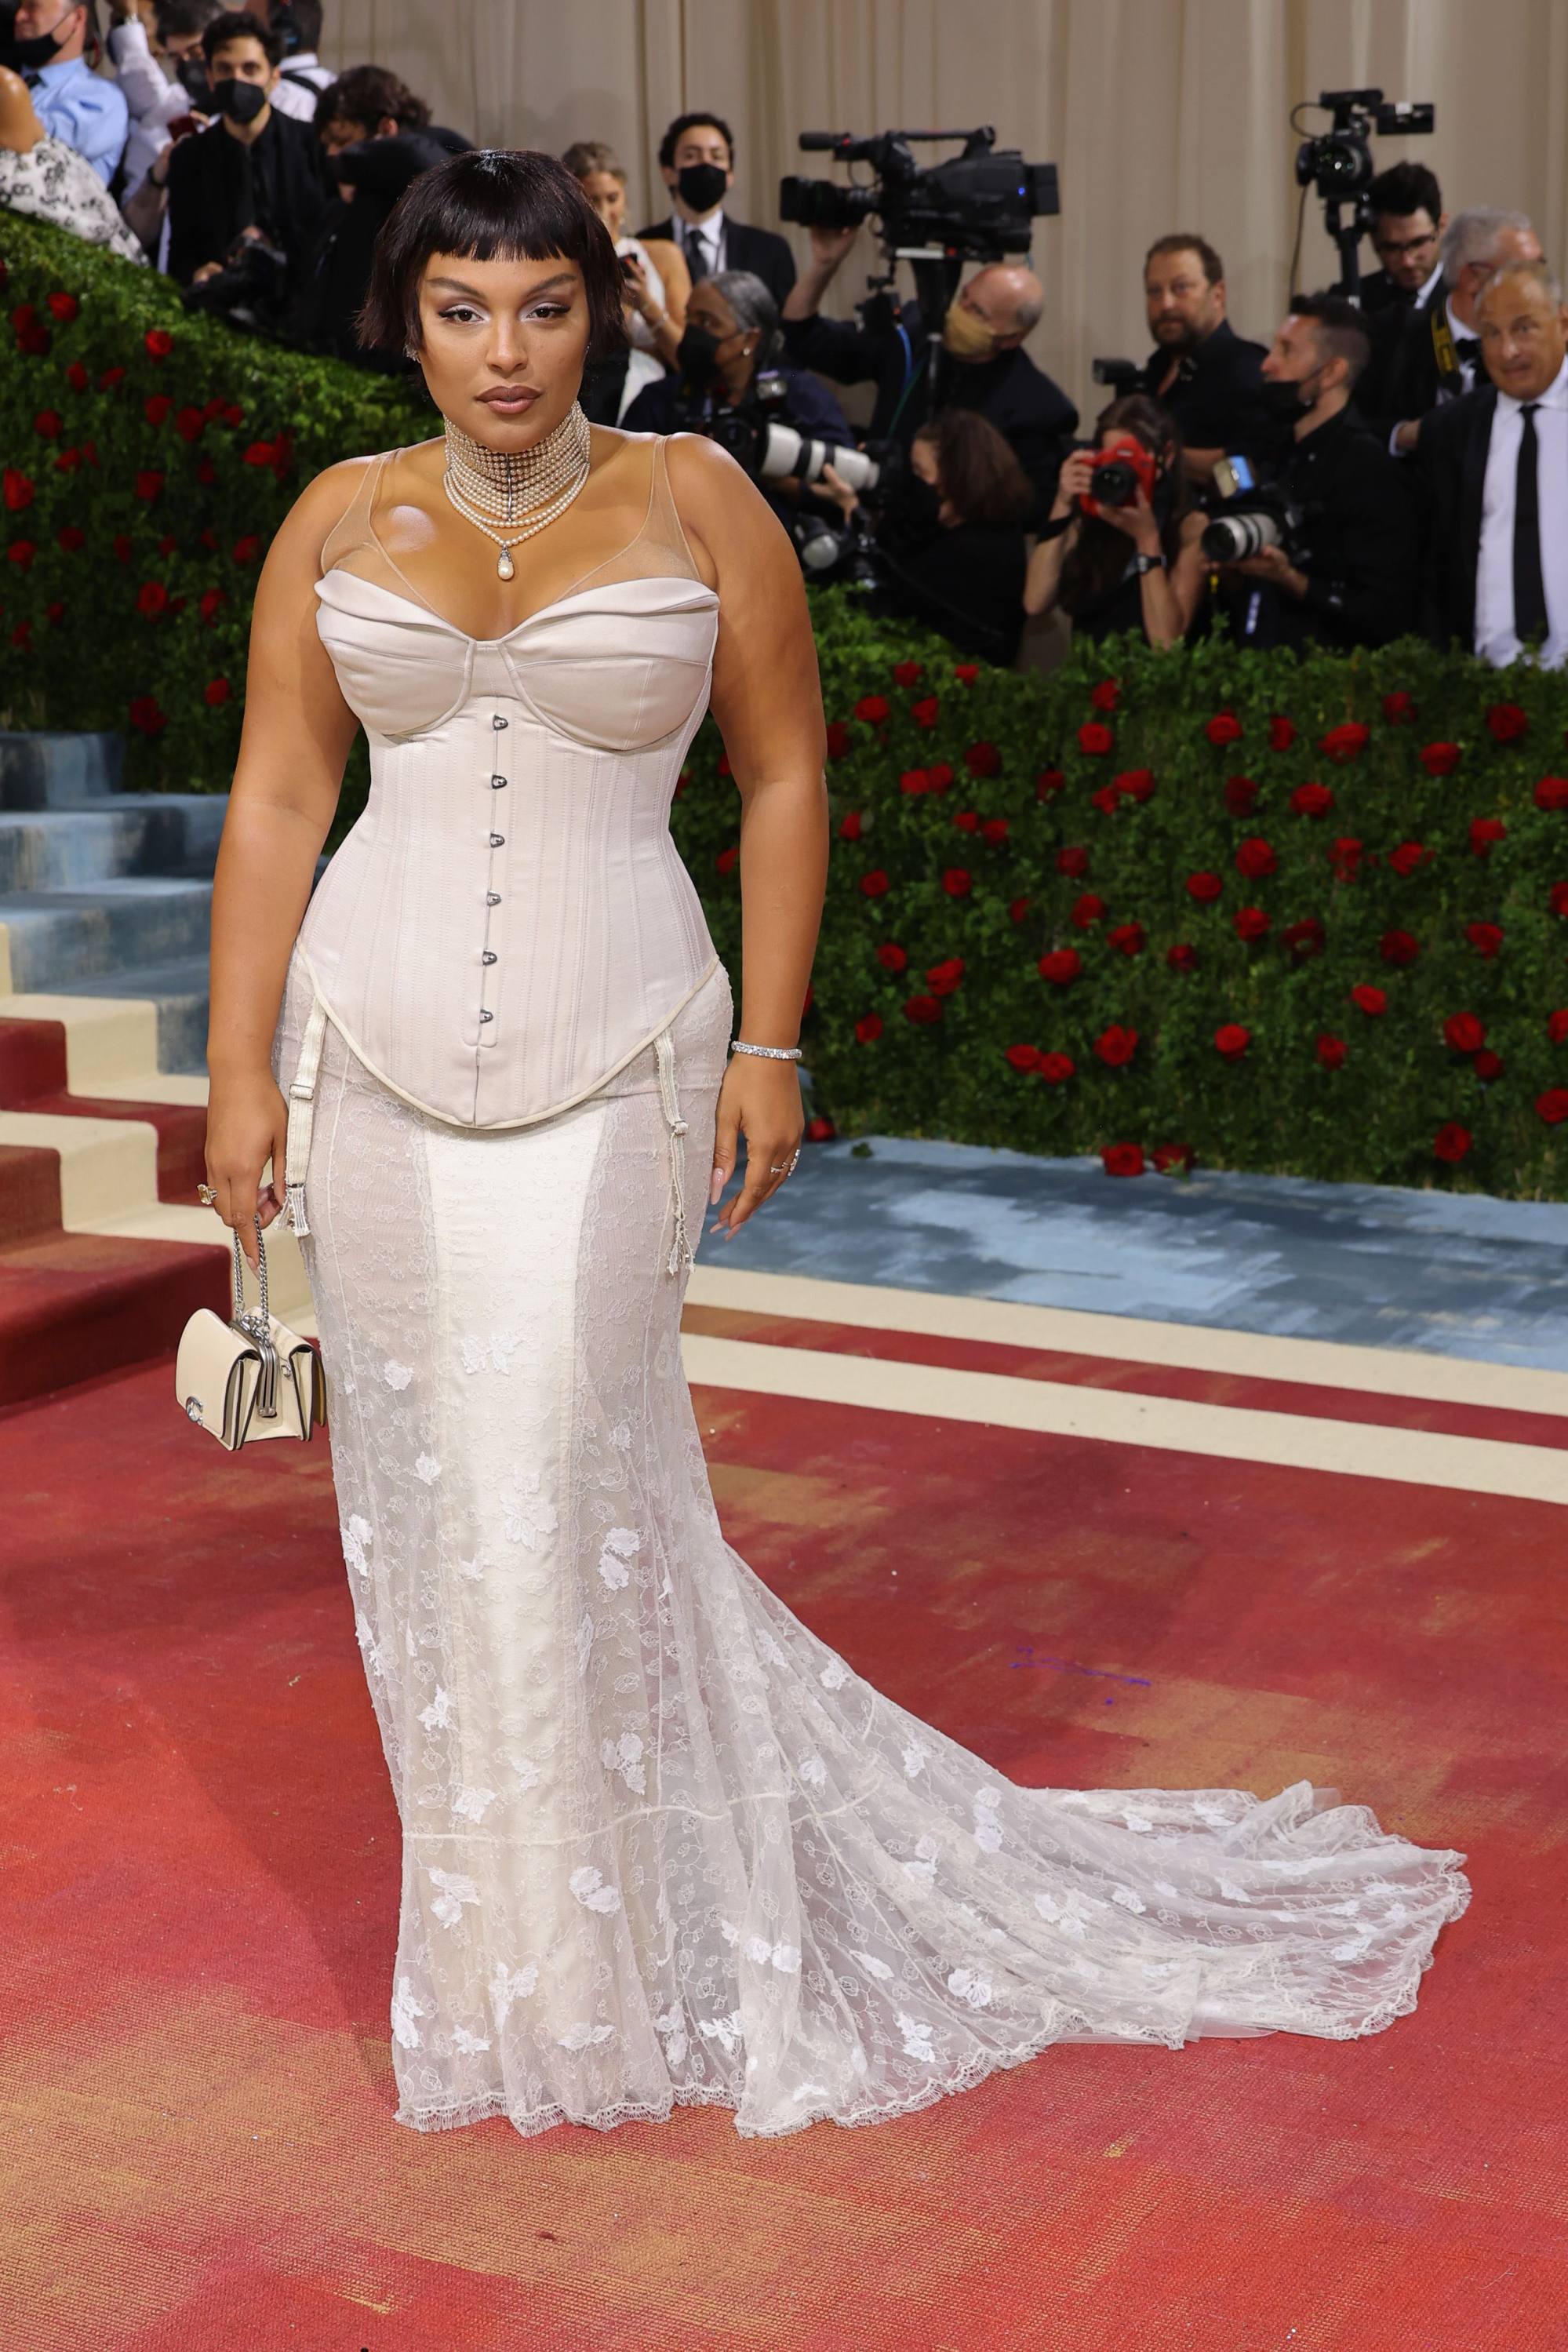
<point>497,723</point>
<point>486,1016</point>
<point>489,956</point>
<point>497,783</point>
<point>497,840</point>
<point>492,897</point>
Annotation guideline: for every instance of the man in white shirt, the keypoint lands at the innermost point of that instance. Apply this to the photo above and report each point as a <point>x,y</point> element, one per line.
<point>1495,465</point>
<point>1439,355</point>
<point>79,108</point>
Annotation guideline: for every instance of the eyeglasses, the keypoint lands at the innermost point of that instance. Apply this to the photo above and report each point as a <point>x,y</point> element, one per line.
<point>1394,248</point>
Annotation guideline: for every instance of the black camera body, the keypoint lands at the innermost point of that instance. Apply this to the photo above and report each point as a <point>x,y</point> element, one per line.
<point>252,286</point>
<point>977,207</point>
<point>1338,163</point>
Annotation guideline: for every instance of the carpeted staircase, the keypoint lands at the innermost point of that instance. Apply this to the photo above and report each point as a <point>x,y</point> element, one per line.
<point>105,900</point>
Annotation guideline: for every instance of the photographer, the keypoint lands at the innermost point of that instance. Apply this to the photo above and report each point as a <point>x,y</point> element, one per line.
<point>982,366</point>
<point>1343,567</point>
<point>255,178</point>
<point>731,335</point>
<point>949,545</point>
<point>1133,565</point>
<point>1201,373</point>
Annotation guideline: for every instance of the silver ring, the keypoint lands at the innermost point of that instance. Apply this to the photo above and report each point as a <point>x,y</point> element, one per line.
<point>208,1195</point>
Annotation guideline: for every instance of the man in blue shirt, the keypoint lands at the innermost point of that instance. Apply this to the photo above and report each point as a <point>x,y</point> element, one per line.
<point>77,106</point>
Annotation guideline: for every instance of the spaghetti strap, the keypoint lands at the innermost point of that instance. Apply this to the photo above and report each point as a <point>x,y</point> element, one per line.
<point>354,525</point>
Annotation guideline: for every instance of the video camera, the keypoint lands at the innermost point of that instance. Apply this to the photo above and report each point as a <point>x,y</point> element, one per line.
<point>1337,163</point>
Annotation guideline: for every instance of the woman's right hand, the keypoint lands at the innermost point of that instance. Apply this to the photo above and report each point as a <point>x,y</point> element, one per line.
<point>248,1121</point>
<point>1072,482</point>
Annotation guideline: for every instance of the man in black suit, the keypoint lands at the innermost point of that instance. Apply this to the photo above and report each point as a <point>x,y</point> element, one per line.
<point>697,157</point>
<point>1201,372</point>
<point>1436,357</point>
<point>981,364</point>
<point>253,173</point>
<point>1494,470</point>
<point>1408,219</point>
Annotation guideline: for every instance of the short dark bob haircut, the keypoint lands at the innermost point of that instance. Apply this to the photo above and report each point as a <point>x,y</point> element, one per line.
<point>494,204</point>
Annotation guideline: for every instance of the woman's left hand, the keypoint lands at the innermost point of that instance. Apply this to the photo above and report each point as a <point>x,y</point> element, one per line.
<point>761,1100</point>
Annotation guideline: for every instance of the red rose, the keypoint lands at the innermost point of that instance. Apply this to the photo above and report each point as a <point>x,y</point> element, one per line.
<point>159,341</point>
<point>248,549</point>
<point>1345,856</point>
<point>1330,1051</point>
<point>156,407</point>
<point>1024,1057</point>
<point>32,335</point>
<point>1552,792</point>
<point>1222,729</point>
<point>1122,1159</point>
<point>1440,758</point>
<point>1116,1045</point>
<point>1255,858</point>
<point>1398,947</point>
<point>17,489</point>
<point>151,598</point>
<point>1049,781</point>
<point>819,1129</point>
<point>145,715</point>
<point>982,759</point>
<point>1312,800</point>
<point>1138,783</point>
<point>1488,1065</point>
<point>967,820</point>
<point>211,602</point>
<point>216,691</point>
<point>1345,742</point>
<point>231,413</point>
<point>1409,857</point>
<point>73,539</point>
<point>965,672</point>
<point>1464,1032</point>
<point>1485,937</point>
<point>122,546</point>
<point>1181,957</point>
<point>956,881</point>
<point>875,884</point>
<point>21,553</point>
<point>994,830</point>
<point>1452,1142</point>
<point>891,957</point>
<point>1107,800</point>
<point>1398,707</point>
<point>1302,941</point>
<point>1017,909</point>
<point>1484,832</point>
<point>76,376</point>
<point>914,779</point>
<point>727,857</point>
<point>1055,1069</point>
<point>149,483</point>
<point>839,739</point>
<point>1072,861</point>
<point>1241,795</point>
<point>940,777</point>
<point>190,424</point>
<point>1126,937</point>
<point>46,423</point>
<point>1251,923</point>
<point>723,767</point>
<point>850,826</point>
<point>67,461</point>
<point>1107,695</point>
<point>1281,734</point>
<point>868,1029</point>
<point>942,978</point>
<point>1553,1104</point>
<point>1507,722</point>
<point>263,453</point>
<point>1231,1041</point>
<point>923,1010</point>
<point>1557,1025</point>
<point>111,377</point>
<point>64,307</point>
<point>906,673</point>
<point>925,713</point>
<point>1061,966</point>
<point>1559,899</point>
<point>1204,887</point>
<point>1174,1155</point>
<point>1371,1000</point>
<point>1096,738</point>
<point>1086,911</point>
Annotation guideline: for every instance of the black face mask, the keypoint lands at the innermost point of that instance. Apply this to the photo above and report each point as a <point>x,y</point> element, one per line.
<point>696,354</point>
<point>38,49</point>
<point>1284,404</point>
<point>701,185</point>
<point>193,79</point>
<point>242,101</point>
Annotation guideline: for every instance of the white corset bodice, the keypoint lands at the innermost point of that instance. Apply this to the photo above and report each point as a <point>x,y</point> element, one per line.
<point>509,922</point>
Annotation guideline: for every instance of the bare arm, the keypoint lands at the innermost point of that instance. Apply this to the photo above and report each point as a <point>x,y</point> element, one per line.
<point>297,729</point>
<point>768,700</point>
<point>1043,579</point>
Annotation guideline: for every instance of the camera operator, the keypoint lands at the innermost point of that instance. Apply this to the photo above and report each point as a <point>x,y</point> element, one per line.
<point>254,179</point>
<point>949,544</point>
<point>1437,354</point>
<point>1406,207</point>
<point>983,364</point>
<point>1343,572</point>
<point>731,333</point>
<point>1132,564</point>
<point>1201,373</point>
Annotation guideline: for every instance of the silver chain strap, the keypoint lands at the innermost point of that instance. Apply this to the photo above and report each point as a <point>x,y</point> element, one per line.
<point>245,1316</point>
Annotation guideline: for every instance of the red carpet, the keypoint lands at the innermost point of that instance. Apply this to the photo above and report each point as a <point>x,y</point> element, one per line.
<point>203,1854</point>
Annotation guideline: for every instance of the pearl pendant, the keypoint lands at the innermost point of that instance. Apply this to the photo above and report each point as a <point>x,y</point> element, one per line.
<point>504,566</point>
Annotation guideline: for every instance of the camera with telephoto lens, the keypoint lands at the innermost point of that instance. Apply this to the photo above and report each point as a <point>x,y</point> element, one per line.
<point>980,205</point>
<point>1259,519</point>
<point>251,287</point>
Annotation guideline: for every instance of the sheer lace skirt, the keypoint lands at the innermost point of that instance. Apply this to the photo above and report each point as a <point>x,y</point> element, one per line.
<point>661,1843</point>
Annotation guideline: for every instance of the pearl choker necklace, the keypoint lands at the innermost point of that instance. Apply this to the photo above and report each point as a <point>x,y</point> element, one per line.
<point>492,488</point>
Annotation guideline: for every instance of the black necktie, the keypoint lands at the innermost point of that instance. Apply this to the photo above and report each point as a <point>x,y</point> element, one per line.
<point>1528,587</point>
<point>698,260</point>
<point>1468,349</point>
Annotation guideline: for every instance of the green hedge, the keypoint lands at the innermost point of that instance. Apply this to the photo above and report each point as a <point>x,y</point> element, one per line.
<point>1017,947</point>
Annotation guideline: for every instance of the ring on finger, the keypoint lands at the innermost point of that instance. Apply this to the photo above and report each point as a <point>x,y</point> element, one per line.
<point>208,1195</point>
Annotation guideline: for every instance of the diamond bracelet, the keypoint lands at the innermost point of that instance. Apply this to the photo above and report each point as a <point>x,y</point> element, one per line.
<point>772,1052</point>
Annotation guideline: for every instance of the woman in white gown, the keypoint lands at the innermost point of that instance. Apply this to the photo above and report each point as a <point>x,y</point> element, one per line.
<point>660,1844</point>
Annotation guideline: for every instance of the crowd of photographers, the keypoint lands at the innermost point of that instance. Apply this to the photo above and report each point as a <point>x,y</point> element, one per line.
<point>1391,464</point>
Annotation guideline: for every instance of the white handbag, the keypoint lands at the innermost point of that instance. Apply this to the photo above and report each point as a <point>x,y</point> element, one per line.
<point>251,1377</point>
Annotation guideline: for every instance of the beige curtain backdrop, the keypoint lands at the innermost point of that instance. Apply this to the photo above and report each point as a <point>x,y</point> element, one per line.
<point>1160,114</point>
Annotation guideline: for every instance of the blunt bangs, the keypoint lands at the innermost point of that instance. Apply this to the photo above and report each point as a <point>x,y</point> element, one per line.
<point>493,204</point>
